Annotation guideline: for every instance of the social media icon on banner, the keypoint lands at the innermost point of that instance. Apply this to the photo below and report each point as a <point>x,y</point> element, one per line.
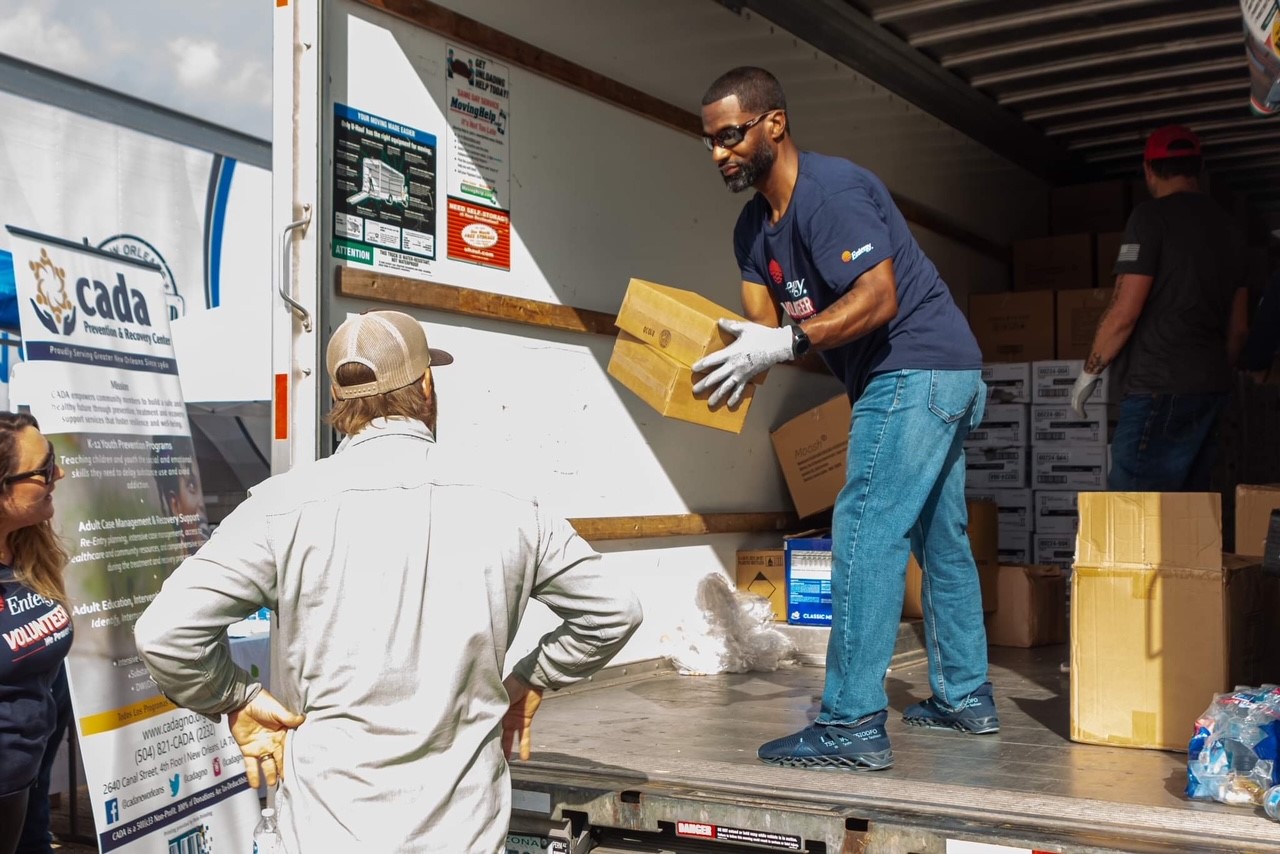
<point>217,767</point>
<point>113,810</point>
<point>174,782</point>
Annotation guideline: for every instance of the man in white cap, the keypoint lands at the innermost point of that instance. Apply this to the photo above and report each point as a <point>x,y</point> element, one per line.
<point>397,597</point>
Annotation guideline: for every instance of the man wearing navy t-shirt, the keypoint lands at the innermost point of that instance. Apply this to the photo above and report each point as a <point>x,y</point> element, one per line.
<point>823,242</point>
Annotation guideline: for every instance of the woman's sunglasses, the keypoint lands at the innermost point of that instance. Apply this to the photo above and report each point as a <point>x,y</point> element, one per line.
<point>48,470</point>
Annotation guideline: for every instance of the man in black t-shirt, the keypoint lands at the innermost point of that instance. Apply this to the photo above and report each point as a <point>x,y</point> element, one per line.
<point>1175,326</point>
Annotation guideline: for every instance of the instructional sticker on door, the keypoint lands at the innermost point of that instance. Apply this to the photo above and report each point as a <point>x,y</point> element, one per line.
<point>384,192</point>
<point>702,830</point>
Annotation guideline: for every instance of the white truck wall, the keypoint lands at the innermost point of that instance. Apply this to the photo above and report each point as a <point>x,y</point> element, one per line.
<point>83,179</point>
<point>600,195</point>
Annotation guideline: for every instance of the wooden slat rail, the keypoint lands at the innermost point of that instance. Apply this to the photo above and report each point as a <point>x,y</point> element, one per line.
<point>446,22</point>
<point>599,528</point>
<point>385,287</point>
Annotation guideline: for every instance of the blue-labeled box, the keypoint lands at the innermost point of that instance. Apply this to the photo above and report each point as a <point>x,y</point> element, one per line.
<point>808,581</point>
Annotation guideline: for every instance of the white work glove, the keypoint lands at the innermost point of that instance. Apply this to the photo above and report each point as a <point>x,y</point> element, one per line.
<point>1083,390</point>
<point>756,349</point>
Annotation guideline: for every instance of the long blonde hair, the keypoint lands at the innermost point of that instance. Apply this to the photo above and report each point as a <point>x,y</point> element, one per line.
<point>38,555</point>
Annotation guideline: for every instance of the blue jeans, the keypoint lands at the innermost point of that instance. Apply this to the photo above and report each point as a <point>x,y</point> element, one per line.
<point>1163,442</point>
<point>905,493</point>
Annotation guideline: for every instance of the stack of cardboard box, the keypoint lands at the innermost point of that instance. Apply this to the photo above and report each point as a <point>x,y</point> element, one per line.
<point>1068,455</point>
<point>997,453</point>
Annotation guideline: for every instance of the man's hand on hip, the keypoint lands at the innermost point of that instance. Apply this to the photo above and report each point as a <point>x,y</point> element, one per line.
<point>1083,389</point>
<point>525,700</point>
<point>260,728</point>
<point>756,349</point>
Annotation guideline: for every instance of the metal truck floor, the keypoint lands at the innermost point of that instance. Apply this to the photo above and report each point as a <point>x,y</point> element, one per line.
<point>700,734</point>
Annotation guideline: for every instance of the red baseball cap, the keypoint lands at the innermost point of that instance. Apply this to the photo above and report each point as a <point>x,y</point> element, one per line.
<point>1171,141</point>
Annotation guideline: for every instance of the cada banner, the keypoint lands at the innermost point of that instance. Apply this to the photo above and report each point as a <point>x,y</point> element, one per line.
<point>101,377</point>
<point>1262,47</point>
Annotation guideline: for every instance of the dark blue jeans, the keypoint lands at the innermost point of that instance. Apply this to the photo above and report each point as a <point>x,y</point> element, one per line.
<point>36,838</point>
<point>1163,442</point>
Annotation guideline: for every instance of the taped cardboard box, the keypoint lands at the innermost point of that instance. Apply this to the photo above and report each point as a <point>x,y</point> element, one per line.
<point>1146,529</point>
<point>682,325</point>
<point>811,450</point>
<point>1150,646</point>
<point>1078,313</point>
<point>1013,327</point>
<point>1254,503</point>
<point>764,573</point>
<point>1033,607</point>
<point>1055,263</point>
<point>983,538</point>
<point>667,386</point>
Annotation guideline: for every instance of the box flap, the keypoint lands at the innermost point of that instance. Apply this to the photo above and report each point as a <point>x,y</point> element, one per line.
<point>1149,529</point>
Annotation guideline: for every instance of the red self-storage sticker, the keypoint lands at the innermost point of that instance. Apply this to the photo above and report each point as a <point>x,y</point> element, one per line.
<point>478,234</point>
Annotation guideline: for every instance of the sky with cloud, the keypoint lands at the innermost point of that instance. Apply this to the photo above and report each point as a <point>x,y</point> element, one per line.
<point>209,58</point>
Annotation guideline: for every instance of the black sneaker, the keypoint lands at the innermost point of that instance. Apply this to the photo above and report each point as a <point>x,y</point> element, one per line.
<point>976,713</point>
<point>860,746</point>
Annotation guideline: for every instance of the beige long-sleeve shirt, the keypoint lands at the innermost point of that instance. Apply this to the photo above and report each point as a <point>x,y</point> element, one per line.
<point>397,597</point>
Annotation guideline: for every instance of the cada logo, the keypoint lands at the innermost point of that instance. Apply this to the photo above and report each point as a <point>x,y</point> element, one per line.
<point>52,304</point>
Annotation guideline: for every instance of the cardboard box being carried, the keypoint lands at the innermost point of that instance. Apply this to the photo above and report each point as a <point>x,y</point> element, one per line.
<point>667,386</point>
<point>1078,313</point>
<point>1013,327</point>
<point>664,332</point>
<point>1160,619</point>
<point>1254,503</point>
<point>1056,263</point>
<point>764,573</point>
<point>983,536</point>
<point>811,450</point>
<point>1033,607</point>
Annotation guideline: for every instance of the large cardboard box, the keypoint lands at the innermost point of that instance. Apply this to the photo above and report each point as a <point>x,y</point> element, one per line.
<point>983,539</point>
<point>764,573</point>
<point>1014,508</point>
<point>1007,382</point>
<point>1052,379</point>
<point>1151,645</point>
<point>1078,467</point>
<point>1108,249</point>
<point>667,386</point>
<point>1013,327</point>
<point>1078,313</point>
<point>1097,206</point>
<point>1056,263</point>
<point>1146,529</point>
<point>995,468</point>
<point>1033,607</point>
<point>682,325</point>
<point>811,450</point>
<point>1003,424</point>
<point>1254,504</point>
<point>1057,425</point>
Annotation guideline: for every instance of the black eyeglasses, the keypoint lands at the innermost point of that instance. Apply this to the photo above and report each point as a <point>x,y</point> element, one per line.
<point>733,134</point>
<point>48,470</point>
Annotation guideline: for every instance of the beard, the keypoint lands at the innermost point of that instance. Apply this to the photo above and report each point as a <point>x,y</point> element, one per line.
<point>751,170</point>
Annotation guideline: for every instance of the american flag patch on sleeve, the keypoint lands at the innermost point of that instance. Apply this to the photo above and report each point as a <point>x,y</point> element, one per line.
<point>1128,252</point>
